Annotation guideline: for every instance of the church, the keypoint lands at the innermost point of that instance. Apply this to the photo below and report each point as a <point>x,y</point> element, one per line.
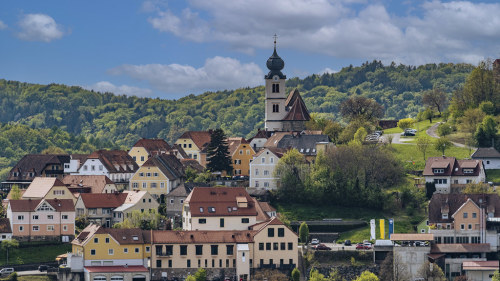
<point>283,113</point>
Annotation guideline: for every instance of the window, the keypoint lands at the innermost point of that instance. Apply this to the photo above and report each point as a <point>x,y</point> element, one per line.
<point>276,107</point>
<point>270,232</point>
<point>148,174</point>
<point>276,88</point>
<point>169,263</point>
<point>263,159</point>
<point>169,250</point>
<point>245,220</point>
<point>136,250</point>
<point>135,185</point>
<point>211,209</point>
<point>58,192</point>
<point>256,172</point>
<point>266,173</point>
<point>201,209</point>
<point>92,252</point>
<point>65,217</point>
<point>142,158</point>
<point>111,252</point>
<point>438,171</point>
<point>445,216</point>
<point>470,226</point>
<point>100,167</point>
<point>290,246</point>
<point>214,250</point>
<point>469,181</point>
<point>266,184</point>
<point>199,250</point>
<point>183,250</point>
<point>261,246</point>
<point>281,232</point>
<point>158,263</point>
<point>144,185</point>
<point>468,171</point>
<point>282,246</point>
<point>474,215</point>
<point>85,167</point>
<point>96,240</point>
<point>125,250</point>
<point>256,183</point>
<point>92,168</point>
<point>148,249</point>
<point>182,201</point>
<point>202,221</point>
<point>268,246</point>
<point>488,162</point>
<point>65,228</point>
<point>221,222</point>
<point>20,218</point>
<point>153,185</point>
<point>190,145</point>
<point>162,185</point>
<point>440,181</point>
<point>50,228</point>
<point>35,217</point>
<point>171,201</point>
<point>465,215</point>
<point>188,263</point>
<point>141,174</point>
<point>107,240</point>
<point>230,250</point>
<point>155,174</point>
<point>462,226</point>
<point>275,246</point>
<point>21,228</point>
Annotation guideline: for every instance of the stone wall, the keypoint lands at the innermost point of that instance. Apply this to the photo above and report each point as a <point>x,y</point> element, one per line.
<point>182,273</point>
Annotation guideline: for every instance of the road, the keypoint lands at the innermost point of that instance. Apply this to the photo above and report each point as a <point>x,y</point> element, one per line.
<point>30,272</point>
<point>338,247</point>
<point>432,131</point>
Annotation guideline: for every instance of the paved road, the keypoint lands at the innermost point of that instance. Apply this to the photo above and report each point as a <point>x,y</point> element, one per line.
<point>31,272</point>
<point>339,247</point>
<point>432,131</point>
<point>396,138</point>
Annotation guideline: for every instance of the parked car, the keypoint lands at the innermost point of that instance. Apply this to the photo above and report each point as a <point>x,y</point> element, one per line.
<point>363,246</point>
<point>322,247</point>
<point>347,243</point>
<point>42,268</point>
<point>408,134</point>
<point>314,241</point>
<point>6,271</point>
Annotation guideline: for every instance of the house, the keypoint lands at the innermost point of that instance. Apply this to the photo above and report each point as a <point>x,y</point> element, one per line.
<point>220,208</point>
<point>193,143</point>
<point>266,207</point>
<point>159,175</point>
<point>241,155</point>
<point>98,207</point>
<point>174,200</point>
<point>465,228</point>
<point>451,175</point>
<point>145,148</point>
<point>47,188</point>
<point>97,184</point>
<point>307,145</point>
<point>480,270</point>
<point>489,155</point>
<point>5,229</point>
<point>111,254</point>
<point>42,219</point>
<point>260,138</point>
<point>35,165</point>
<point>234,254</point>
<point>282,112</point>
<point>117,165</point>
<point>136,200</point>
<point>262,168</point>
<point>75,162</point>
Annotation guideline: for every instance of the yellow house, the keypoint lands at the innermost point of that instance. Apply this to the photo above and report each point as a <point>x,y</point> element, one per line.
<point>107,252</point>
<point>48,188</point>
<point>145,148</point>
<point>159,175</point>
<point>241,154</point>
<point>193,143</point>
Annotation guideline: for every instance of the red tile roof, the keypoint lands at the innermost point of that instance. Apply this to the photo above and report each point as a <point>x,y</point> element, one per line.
<point>61,205</point>
<point>96,183</point>
<point>460,248</point>
<point>115,161</point>
<point>103,200</point>
<point>153,146</point>
<point>480,265</point>
<point>5,225</point>
<point>297,108</point>
<point>452,166</point>
<point>450,203</point>
<point>219,201</point>
<point>200,138</point>
<point>197,236</point>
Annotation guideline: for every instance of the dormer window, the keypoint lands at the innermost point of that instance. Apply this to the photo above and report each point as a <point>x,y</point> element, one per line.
<point>438,171</point>
<point>201,209</point>
<point>444,216</point>
<point>211,209</point>
<point>468,171</point>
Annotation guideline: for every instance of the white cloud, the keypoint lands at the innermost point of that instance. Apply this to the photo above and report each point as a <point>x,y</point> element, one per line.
<point>2,25</point>
<point>328,70</point>
<point>433,31</point>
<point>39,27</point>
<point>105,86</point>
<point>218,73</point>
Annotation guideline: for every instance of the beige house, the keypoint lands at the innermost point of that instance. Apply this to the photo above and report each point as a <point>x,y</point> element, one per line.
<point>145,148</point>
<point>136,200</point>
<point>220,208</point>
<point>193,142</point>
<point>47,188</point>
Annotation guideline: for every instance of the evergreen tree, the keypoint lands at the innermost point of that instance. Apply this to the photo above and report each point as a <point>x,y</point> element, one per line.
<point>218,157</point>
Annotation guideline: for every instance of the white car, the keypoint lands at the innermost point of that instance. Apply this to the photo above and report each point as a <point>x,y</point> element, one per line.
<point>314,241</point>
<point>6,271</point>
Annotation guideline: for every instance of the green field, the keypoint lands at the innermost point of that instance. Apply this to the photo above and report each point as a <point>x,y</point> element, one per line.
<point>421,126</point>
<point>409,154</point>
<point>493,176</point>
<point>38,254</point>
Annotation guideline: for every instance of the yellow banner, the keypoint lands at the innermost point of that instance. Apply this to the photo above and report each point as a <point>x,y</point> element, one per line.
<point>382,229</point>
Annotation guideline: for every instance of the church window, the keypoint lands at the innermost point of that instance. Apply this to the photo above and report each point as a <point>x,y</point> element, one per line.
<point>276,88</point>
<point>276,107</point>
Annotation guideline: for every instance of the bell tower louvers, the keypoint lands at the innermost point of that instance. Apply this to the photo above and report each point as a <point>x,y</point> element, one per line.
<point>275,92</point>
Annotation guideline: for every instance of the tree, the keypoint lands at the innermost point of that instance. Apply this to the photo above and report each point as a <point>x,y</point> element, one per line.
<point>428,114</point>
<point>435,98</point>
<point>15,192</point>
<point>359,107</point>
<point>406,123</point>
<point>143,220</point>
<point>360,136</point>
<point>218,158</point>
<point>304,232</point>
<point>400,271</point>
<point>478,188</point>
<point>386,268</point>
<point>471,118</point>
<point>486,132</point>
<point>496,276</point>
<point>200,275</point>
<point>430,188</point>
<point>190,278</point>
<point>367,276</point>
<point>295,275</point>
<point>53,150</point>
<point>7,244</point>
<point>423,143</point>
<point>428,270</point>
<point>444,129</point>
<point>442,144</point>
<point>487,107</point>
<point>314,275</point>
<point>292,171</point>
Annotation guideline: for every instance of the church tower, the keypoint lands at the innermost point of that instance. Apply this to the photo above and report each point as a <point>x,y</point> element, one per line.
<point>275,92</point>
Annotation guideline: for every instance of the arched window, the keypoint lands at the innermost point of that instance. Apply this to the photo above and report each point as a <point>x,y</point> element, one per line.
<point>99,278</point>
<point>116,278</point>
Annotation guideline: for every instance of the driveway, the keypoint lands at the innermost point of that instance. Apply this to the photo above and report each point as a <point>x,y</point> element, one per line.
<point>396,138</point>
<point>432,131</point>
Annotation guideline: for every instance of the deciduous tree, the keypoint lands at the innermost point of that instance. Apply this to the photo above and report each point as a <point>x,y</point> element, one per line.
<point>8,244</point>
<point>367,276</point>
<point>359,107</point>
<point>406,123</point>
<point>295,275</point>
<point>423,143</point>
<point>435,98</point>
<point>442,144</point>
<point>304,232</point>
<point>428,271</point>
<point>292,171</point>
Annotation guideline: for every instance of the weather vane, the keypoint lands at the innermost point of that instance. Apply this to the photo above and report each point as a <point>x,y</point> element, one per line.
<point>275,37</point>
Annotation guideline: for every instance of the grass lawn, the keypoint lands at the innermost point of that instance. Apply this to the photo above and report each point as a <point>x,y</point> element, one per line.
<point>409,154</point>
<point>493,175</point>
<point>421,126</point>
<point>38,254</point>
<point>295,212</point>
<point>37,278</point>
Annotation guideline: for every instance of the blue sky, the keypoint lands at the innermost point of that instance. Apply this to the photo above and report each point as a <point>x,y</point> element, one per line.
<point>170,49</point>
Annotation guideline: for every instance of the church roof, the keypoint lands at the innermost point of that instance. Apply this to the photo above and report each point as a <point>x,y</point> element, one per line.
<point>298,110</point>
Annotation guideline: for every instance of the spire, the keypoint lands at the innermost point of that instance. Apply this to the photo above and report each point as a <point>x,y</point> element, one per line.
<point>275,64</point>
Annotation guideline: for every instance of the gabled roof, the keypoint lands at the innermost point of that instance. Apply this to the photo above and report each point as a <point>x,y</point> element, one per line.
<point>266,207</point>
<point>460,248</point>
<point>103,200</point>
<point>60,205</point>
<point>121,236</point>
<point>262,134</point>
<point>463,205</point>
<point>193,164</point>
<point>40,186</point>
<point>223,200</point>
<point>133,197</point>
<point>5,225</point>
<point>261,214</point>
<point>275,139</point>
<point>168,164</point>
<point>35,163</point>
<point>115,161</point>
<point>279,152</point>
<point>196,236</point>
<point>179,152</point>
<point>200,138</point>
<point>153,146</point>
<point>185,189</point>
<point>305,144</point>
<point>234,143</point>
<point>452,166</point>
<point>258,227</point>
<point>297,108</point>
<point>450,203</point>
<point>96,183</point>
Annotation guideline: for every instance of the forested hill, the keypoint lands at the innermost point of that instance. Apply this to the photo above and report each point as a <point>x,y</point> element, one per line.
<point>123,120</point>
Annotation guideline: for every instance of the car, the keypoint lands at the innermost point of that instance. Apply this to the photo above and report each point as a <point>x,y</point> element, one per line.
<point>347,243</point>
<point>6,271</point>
<point>363,246</point>
<point>321,247</point>
<point>408,134</point>
<point>314,241</point>
<point>42,268</point>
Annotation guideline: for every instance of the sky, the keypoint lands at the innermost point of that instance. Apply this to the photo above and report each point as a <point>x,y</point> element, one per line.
<point>170,49</point>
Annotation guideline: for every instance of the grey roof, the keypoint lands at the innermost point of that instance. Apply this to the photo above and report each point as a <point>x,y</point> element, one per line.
<point>486,152</point>
<point>305,144</point>
<point>35,163</point>
<point>184,189</point>
<point>168,164</point>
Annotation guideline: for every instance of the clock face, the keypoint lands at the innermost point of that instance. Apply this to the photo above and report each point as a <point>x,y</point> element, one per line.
<point>275,77</point>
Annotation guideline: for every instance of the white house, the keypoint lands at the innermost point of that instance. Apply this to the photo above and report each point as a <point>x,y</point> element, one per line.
<point>490,157</point>
<point>262,168</point>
